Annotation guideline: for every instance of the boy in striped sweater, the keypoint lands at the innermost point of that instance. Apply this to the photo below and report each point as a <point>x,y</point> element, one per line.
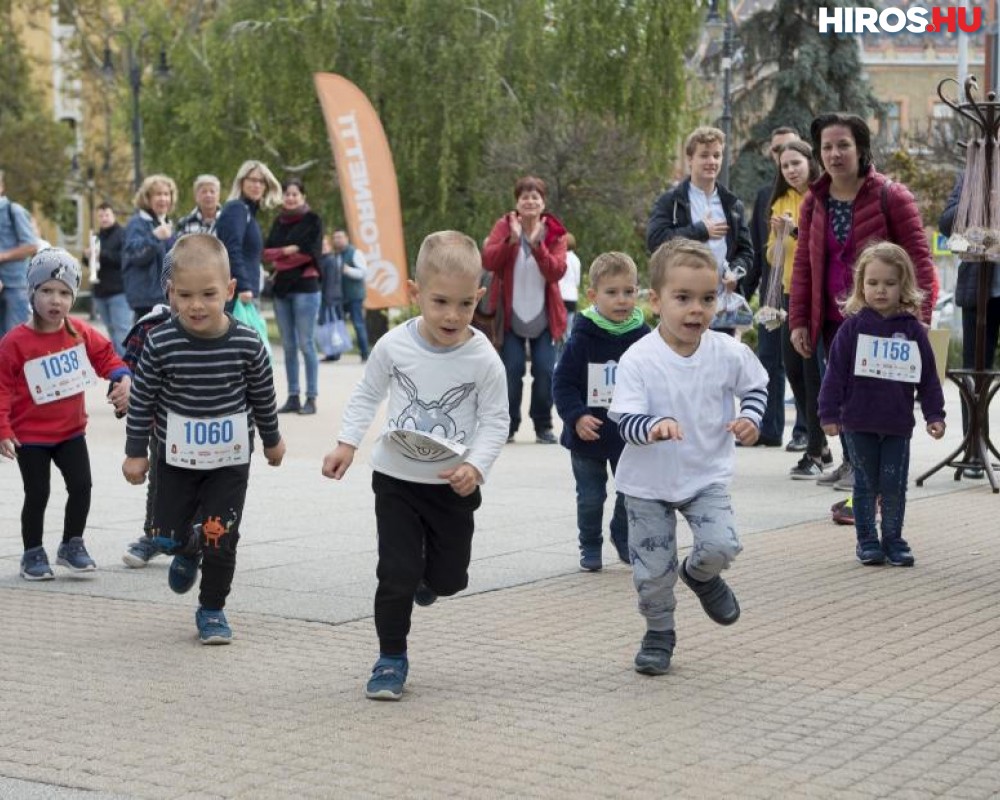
<point>675,402</point>
<point>204,382</point>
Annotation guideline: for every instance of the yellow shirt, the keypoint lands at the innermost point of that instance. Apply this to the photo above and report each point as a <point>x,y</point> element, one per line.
<point>789,204</point>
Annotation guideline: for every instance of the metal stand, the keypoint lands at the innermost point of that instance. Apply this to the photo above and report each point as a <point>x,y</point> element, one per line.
<point>977,386</point>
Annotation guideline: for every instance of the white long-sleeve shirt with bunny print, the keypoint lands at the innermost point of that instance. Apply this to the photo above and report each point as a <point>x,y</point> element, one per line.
<point>457,393</point>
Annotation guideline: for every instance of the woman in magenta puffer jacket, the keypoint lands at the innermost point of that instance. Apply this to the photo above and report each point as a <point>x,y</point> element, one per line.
<point>850,206</point>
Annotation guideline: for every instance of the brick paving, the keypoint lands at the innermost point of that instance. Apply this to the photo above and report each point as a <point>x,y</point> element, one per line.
<point>839,681</point>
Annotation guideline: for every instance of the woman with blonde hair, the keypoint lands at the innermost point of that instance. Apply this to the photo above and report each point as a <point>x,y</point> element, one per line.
<point>253,188</point>
<point>148,236</point>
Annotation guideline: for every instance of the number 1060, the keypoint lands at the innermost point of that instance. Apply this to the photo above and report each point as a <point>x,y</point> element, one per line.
<point>201,433</point>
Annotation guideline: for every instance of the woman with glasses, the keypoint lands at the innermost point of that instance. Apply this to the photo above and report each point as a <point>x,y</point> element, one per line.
<point>254,187</point>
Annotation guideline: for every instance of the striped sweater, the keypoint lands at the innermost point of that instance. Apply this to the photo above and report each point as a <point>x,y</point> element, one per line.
<point>200,378</point>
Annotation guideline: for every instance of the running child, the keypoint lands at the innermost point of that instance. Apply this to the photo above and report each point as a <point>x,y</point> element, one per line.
<point>582,385</point>
<point>675,402</point>
<point>879,358</point>
<point>446,423</point>
<point>45,365</point>
<point>204,380</point>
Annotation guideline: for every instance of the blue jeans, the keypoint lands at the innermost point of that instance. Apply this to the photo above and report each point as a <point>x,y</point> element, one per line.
<point>772,427</point>
<point>591,491</point>
<point>296,314</point>
<point>355,309</point>
<point>881,467</point>
<point>543,363</point>
<point>14,308</point>
<point>116,314</point>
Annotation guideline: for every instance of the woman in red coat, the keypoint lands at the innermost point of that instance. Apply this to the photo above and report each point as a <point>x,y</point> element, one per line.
<point>848,207</point>
<point>526,252</point>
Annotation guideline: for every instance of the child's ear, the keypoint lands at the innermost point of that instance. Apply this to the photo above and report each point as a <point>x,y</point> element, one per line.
<point>480,292</point>
<point>231,289</point>
<point>414,290</point>
<point>591,294</point>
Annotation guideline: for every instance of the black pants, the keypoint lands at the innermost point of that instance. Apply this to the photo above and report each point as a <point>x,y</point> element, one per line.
<point>217,496</point>
<point>424,532</point>
<point>35,462</point>
<point>803,377</point>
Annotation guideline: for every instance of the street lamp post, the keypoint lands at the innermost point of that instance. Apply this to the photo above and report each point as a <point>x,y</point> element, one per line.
<point>134,67</point>
<point>714,20</point>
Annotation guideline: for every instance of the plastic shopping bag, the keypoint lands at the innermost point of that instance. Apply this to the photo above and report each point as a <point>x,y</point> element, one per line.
<point>248,314</point>
<point>332,337</point>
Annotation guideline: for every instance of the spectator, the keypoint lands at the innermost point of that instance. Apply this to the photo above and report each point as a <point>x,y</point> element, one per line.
<point>236,227</point>
<point>332,292</point>
<point>207,189</point>
<point>106,287</point>
<point>148,236</point>
<point>18,242</point>
<point>526,251</point>
<point>569,284</point>
<point>354,270</point>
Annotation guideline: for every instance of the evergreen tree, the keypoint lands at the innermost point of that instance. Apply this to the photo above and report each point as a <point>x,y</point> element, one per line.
<point>796,73</point>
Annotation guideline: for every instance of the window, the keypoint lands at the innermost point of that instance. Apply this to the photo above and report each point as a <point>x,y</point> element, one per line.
<point>890,122</point>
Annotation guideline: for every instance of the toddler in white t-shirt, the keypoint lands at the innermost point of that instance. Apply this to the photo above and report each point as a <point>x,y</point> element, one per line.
<point>675,404</point>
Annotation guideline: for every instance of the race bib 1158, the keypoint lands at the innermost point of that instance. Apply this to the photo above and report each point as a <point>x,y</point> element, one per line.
<point>888,359</point>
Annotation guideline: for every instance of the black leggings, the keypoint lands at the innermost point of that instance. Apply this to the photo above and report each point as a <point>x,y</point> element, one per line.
<point>35,461</point>
<point>803,377</point>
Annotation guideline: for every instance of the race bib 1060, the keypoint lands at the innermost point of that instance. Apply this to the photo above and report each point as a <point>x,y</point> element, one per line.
<point>59,375</point>
<point>887,359</point>
<point>207,443</point>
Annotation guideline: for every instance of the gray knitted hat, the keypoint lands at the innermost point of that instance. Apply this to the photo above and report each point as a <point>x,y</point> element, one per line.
<point>53,264</point>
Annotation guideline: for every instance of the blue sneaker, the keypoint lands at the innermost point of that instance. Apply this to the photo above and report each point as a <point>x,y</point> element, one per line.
<point>870,553</point>
<point>183,572</point>
<point>591,562</point>
<point>35,565</point>
<point>388,676</point>
<point>425,595</point>
<point>74,555</point>
<point>141,552</point>
<point>898,553</point>
<point>212,626</point>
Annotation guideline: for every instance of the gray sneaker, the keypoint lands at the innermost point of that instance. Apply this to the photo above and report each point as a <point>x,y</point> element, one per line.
<point>74,556</point>
<point>831,478</point>
<point>846,482</point>
<point>141,552</point>
<point>35,565</point>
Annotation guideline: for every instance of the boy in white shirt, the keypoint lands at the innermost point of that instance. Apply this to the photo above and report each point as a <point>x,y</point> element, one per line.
<point>675,404</point>
<point>446,423</point>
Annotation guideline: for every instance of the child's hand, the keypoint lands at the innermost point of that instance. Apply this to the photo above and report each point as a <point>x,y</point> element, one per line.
<point>119,394</point>
<point>275,453</point>
<point>7,447</point>
<point>665,430</point>
<point>135,469</point>
<point>336,462</point>
<point>936,429</point>
<point>463,479</point>
<point>588,428</point>
<point>744,430</point>
<point>831,429</point>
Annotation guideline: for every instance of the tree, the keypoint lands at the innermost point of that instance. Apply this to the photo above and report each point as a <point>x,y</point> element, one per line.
<point>795,72</point>
<point>33,146</point>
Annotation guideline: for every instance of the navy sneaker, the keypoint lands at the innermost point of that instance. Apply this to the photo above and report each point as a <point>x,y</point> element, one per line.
<point>655,652</point>
<point>870,553</point>
<point>425,595</point>
<point>622,549</point>
<point>717,599</point>
<point>388,677</point>
<point>183,572</point>
<point>898,553</point>
<point>591,562</point>
<point>35,565</point>
<point>140,552</point>
<point>546,437</point>
<point>74,555</point>
<point>212,626</point>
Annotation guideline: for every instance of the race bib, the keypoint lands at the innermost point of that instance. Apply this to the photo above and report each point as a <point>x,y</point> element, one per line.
<point>601,384</point>
<point>207,443</point>
<point>887,359</point>
<point>59,375</point>
<point>422,446</point>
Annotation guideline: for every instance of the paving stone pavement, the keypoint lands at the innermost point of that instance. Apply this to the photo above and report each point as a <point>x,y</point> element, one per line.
<point>838,681</point>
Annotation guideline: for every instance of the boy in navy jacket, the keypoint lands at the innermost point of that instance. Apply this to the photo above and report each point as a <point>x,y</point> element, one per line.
<point>583,383</point>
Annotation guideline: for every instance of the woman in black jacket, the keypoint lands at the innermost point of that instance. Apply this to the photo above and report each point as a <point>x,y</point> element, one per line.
<point>294,248</point>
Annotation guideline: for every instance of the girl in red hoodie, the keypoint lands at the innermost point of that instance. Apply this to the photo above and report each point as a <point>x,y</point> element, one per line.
<point>45,365</point>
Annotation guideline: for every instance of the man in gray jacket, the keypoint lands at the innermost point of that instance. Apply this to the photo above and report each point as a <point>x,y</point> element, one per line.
<point>18,243</point>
